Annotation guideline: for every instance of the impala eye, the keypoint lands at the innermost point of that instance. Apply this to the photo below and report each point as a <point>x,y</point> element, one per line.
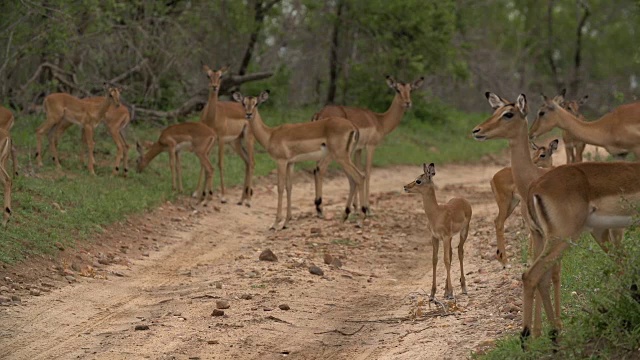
<point>508,115</point>
<point>418,182</point>
<point>541,113</point>
<point>543,155</point>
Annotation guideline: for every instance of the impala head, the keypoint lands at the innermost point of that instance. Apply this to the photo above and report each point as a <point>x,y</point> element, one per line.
<point>113,92</point>
<point>548,115</point>
<point>424,181</point>
<point>573,106</point>
<point>542,154</point>
<point>140,148</point>
<point>404,90</point>
<point>250,103</point>
<point>506,121</point>
<point>215,76</point>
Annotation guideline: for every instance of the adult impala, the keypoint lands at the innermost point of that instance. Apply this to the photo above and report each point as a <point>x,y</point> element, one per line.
<point>291,143</point>
<point>5,150</point>
<point>573,147</point>
<point>618,131</point>
<point>6,123</point>
<point>506,195</point>
<point>509,121</point>
<point>373,127</point>
<point>565,202</point>
<point>197,138</point>
<point>62,106</point>
<point>116,120</point>
<point>228,120</point>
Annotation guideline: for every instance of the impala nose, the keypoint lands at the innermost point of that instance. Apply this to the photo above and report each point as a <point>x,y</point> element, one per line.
<point>247,115</point>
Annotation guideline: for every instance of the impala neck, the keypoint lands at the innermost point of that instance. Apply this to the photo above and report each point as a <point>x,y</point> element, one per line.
<point>589,132</point>
<point>524,170</point>
<point>430,204</point>
<point>208,116</point>
<point>260,130</point>
<point>153,151</point>
<point>390,119</point>
<point>104,106</point>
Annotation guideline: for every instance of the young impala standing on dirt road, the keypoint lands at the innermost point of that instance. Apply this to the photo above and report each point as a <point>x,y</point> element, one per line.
<point>444,221</point>
<point>373,127</point>
<point>290,143</point>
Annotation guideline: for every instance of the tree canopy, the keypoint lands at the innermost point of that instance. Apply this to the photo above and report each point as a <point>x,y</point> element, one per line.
<point>310,52</point>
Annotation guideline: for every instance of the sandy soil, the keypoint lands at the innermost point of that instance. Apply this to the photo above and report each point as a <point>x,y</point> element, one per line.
<point>168,269</point>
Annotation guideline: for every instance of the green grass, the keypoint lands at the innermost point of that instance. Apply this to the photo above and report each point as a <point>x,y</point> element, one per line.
<point>600,316</point>
<point>71,206</point>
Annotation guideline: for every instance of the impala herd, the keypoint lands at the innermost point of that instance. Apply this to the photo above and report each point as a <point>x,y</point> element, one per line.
<point>559,203</point>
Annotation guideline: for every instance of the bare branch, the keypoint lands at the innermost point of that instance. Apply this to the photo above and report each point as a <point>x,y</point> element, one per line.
<point>126,74</point>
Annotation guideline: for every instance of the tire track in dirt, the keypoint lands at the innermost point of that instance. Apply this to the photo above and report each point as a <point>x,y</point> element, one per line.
<point>386,267</point>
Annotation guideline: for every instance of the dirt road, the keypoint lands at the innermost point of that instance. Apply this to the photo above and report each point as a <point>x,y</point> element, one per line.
<point>166,270</point>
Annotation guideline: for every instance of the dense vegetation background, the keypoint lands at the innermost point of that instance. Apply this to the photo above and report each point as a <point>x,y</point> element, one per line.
<point>319,51</point>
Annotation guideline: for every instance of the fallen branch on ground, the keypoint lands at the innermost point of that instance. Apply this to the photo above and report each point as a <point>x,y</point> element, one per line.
<point>340,332</point>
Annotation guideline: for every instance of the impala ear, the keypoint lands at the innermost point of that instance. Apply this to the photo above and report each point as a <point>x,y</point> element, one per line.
<point>495,101</point>
<point>553,145</point>
<point>533,145</point>
<point>205,67</point>
<point>263,96</point>
<point>583,100</point>
<point>237,96</point>
<point>521,104</point>
<point>391,82</point>
<point>431,170</point>
<point>225,68</point>
<point>549,102</point>
<point>425,169</point>
<point>560,97</point>
<point>417,83</point>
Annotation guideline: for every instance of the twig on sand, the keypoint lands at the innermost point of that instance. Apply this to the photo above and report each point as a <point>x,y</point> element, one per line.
<point>340,332</point>
<point>401,319</point>
<point>270,317</point>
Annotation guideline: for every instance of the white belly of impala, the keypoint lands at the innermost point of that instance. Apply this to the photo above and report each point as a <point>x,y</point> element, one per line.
<point>184,145</point>
<point>311,156</point>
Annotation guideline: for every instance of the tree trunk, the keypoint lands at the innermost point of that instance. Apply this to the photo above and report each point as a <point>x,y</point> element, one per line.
<point>574,84</point>
<point>260,10</point>
<point>333,59</point>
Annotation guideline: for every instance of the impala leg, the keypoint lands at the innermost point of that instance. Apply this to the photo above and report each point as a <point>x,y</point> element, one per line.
<point>448,290</point>
<point>357,160</point>
<point>6,181</point>
<point>506,204</point>
<point>88,130</point>
<point>282,173</point>
<point>556,273</point>
<point>247,156</point>
<point>125,158</point>
<point>49,123</point>
<point>354,174</point>
<point>534,278</point>
<point>179,171</point>
<point>115,135</point>
<point>318,175</point>
<point>205,164</point>
<point>14,160</point>
<point>289,183</point>
<point>367,177</point>
<point>172,165</point>
<point>242,152</point>
<point>223,199</point>
<point>580,150</point>
<point>435,245</point>
<point>568,151</point>
<point>463,238</point>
